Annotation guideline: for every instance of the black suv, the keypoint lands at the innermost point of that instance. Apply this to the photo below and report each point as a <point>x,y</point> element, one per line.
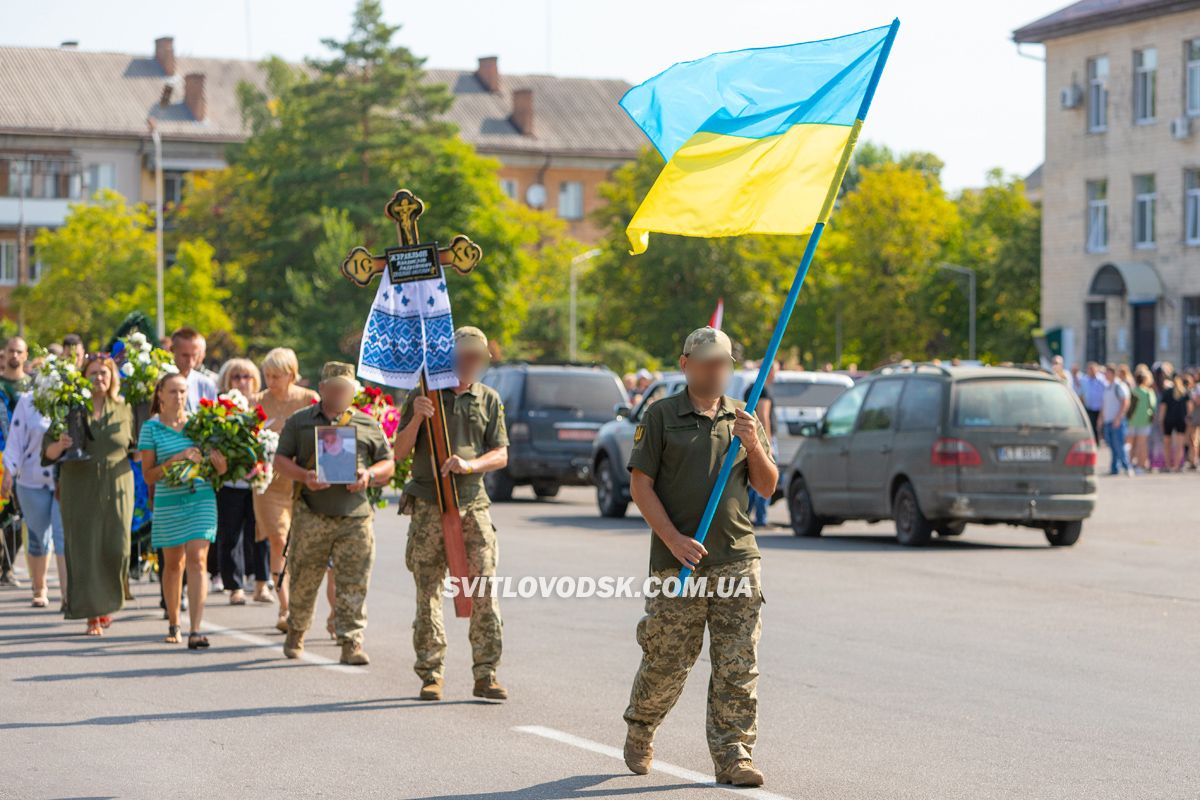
<point>552,413</point>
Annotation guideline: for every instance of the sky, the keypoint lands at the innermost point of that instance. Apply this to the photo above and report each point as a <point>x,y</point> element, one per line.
<point>955,83</point>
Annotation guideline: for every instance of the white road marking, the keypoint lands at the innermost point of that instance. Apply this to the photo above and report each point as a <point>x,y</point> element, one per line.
<point>659,766</point>
<point>277,645</point>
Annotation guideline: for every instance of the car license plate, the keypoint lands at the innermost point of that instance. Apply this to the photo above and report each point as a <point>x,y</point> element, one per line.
<point>1024,453</point>
<point>576,434</point>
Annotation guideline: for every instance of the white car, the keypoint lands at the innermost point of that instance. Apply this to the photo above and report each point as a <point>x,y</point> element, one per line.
<point>801,398</point>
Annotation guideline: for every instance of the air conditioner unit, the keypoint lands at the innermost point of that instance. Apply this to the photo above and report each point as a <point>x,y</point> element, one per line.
<point>1181,127</point>
<point>1071,97</point>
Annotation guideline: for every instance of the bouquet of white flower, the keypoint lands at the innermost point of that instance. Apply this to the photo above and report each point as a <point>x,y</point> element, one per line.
<point>264,471</point>
<point>143,367</point>
<point>58,388</point>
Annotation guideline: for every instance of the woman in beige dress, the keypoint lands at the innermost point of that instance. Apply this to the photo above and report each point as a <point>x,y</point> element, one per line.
<point>273,508</point>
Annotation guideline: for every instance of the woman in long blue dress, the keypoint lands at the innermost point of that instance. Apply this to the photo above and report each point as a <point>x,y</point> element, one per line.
<point>185,517</point>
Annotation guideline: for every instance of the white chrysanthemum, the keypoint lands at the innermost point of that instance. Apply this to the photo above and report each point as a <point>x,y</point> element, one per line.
<point>127,370</point>
<point>143,358</point>
<point>170,369</point>
<point>87,393</point>
<point>146,347</point>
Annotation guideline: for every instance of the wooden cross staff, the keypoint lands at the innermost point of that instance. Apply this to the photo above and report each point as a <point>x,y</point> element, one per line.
<point>416,260</point>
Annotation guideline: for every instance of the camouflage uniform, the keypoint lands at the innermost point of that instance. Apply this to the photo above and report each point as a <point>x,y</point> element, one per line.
<point>671,635</point>
<point>681,450</point>
<point>315,539</point>
<point>425,557</point>
<point>475,425</point>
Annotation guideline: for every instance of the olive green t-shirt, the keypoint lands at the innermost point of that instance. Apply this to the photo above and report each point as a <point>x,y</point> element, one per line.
<point>298,441</point>
<point>475,425</point>
<point>682,450</point>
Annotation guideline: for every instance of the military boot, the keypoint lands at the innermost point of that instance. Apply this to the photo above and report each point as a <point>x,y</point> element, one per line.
<point>352,653</point>
<point>488,689</point>
<point>638,757</point>
<point>431,689</point>
<point>741,773</point>
<point>293,645</point>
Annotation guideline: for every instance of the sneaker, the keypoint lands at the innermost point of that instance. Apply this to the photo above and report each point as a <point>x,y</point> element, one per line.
<point>216,586</point>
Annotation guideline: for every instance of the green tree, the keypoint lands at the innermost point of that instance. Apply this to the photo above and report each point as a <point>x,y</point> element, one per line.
<point>101,265</point>
<point>328,146</point>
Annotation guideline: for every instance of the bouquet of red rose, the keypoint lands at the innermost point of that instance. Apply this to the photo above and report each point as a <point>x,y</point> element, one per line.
<point>230,427</point>
<point>373,402</point>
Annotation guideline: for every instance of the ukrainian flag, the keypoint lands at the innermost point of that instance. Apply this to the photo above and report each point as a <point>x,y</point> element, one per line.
<point>756,141</point>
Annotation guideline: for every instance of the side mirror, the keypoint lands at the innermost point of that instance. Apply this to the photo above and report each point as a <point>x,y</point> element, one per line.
<point>622,411</point>
<point>810,429</point>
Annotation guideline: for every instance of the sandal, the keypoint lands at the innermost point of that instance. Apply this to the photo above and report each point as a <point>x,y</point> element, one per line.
<point>93,627</point>
<point>237,598</point>
<point>172,634</point>
<point>197,641</point>
<point>281,623</point>
<point>40,601</point>
<point>104,621</point>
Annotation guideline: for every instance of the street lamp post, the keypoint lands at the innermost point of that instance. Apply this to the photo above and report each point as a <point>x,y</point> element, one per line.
<point>160,314</point>
<point>970,273</point>
<point>575,262</point>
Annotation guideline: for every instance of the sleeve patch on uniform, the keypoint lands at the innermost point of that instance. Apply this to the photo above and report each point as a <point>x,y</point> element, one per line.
<point>638,433</point>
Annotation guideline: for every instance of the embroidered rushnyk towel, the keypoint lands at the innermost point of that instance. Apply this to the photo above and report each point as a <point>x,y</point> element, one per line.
<point>410,329</point>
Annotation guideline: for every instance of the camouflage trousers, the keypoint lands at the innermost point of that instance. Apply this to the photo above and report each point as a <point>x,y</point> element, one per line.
<point>671,635</point>
<point>314,540</point>
<point>425,557</point>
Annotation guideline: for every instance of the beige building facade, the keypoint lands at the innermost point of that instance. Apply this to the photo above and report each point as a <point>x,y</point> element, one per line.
<point>1121,181</point>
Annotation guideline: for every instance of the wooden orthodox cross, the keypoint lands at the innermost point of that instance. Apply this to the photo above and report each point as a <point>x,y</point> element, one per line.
<point>400,343</point>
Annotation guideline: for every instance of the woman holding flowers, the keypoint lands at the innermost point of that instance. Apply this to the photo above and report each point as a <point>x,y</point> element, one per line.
<point>185,510</point>
<point>239,551</point>
<point>96,499</point>
<point>273,508</point>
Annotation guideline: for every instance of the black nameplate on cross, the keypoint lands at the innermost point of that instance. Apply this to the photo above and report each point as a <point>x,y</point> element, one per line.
<point>413,263</point>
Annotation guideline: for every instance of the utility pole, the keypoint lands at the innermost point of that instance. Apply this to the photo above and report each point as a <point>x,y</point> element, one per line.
<point>573,314</point>
<point>970,273</point>
<point>26,172</point>
<point>160,322</point>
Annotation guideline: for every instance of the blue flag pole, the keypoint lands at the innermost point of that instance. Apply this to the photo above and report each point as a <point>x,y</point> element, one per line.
<point>789,304</point>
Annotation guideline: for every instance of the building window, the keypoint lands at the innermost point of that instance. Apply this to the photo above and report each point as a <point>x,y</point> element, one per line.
<point>172,188</point>
<point>1192,77</point>
<point>1097,333</point>
<point>36,270</point>
<point>1097,98</point>
<point>1097,216</point>
<point>8,263</point>
<point>101,177</point>
<point>1191,331</point>
<point>570,200</point>
<point>1145,73</point>
<point>1145,198</point>
<point>1191,206</point>
<point>509,187</point>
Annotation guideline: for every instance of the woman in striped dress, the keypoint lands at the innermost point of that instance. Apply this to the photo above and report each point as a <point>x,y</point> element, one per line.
<point>185,517</point>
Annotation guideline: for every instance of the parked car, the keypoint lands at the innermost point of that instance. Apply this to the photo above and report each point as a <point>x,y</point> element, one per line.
<point>552,413</point>
<point>801,398</point>
<point>612,446</point>
<point>935,447</point>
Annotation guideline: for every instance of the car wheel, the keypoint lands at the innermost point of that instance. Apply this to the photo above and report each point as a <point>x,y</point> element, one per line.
<point>913,529</point>
<point>1064,534</point>
<point>805,521</point>
<point>950,528</point>
<point>499,485</point>
<point>608,494</point>
<point>545,488</point>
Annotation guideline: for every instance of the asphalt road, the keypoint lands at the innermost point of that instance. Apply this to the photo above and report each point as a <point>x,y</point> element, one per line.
<point>987,666</point>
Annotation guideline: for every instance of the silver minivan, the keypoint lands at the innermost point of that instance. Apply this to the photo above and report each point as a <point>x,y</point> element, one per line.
<point>934,448</point>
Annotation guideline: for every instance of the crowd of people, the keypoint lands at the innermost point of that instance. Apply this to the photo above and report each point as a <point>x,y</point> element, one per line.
<point>1148,416</point>
<point>82,512</point>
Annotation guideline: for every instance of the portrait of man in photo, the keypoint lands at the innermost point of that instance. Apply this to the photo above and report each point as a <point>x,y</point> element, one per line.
<point>336,454</point>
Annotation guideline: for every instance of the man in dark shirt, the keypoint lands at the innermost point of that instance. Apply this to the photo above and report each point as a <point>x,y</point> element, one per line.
<point>332,522</point>
<point>478,443</point>
<point>677,454</point>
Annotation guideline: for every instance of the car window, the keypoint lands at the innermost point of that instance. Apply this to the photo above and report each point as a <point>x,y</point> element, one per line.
<point>839,419</point>
<point>658,392</point>
<point>921,405</point>
<point>800,394</point>
<point>879,410</point>
<point>595,394</point>
<point>1015,403</point>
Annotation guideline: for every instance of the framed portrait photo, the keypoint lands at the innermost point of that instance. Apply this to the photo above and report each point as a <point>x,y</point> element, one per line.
<point>337,453</point>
